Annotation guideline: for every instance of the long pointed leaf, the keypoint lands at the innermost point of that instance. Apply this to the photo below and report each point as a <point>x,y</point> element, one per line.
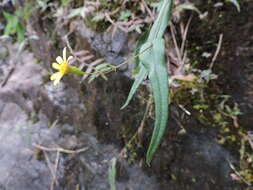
<point>161,22</point>
<point>153,61</point>
<point>112,174</point>
<point>235,2</point>
<point>140,77</point>
<point>158,77</point>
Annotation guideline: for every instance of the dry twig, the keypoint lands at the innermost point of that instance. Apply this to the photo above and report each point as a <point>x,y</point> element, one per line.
<point>249,138</point>
<point>216,52</point>
<point>61,150</point>
<point>238,174</point>
<point>184,35</point>
<point>58,150</point>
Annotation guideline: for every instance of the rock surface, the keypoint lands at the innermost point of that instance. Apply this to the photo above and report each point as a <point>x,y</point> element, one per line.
<point>35,113</point>
<point>74,116</point>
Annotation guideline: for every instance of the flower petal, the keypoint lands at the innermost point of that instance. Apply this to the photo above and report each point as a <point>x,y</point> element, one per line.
<point>57,80</point>
<point>70,57</point>
<point>64,54</point>
<point>55,76</point>
<point>59,60</point>
<point>56,66</point>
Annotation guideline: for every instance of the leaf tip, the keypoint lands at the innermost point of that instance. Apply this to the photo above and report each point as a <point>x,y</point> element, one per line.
<point>124,106</point>
<point>148,159</point>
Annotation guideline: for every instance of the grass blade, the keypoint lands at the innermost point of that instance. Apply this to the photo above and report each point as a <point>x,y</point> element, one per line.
<point>112,175</point>
<point>236,4</point>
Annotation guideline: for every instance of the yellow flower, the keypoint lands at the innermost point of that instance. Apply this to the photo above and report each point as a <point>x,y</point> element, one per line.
<point>62,66</point>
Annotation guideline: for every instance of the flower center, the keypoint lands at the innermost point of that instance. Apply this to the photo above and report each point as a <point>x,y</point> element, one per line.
<point>64,68</point>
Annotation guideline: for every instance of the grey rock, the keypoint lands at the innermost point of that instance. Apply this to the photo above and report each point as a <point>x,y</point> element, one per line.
<point>110,45</point>
<point>25,96</point>
<point>3,52</point>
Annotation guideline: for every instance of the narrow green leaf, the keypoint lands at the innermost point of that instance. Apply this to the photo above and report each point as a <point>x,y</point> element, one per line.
<point>162,20</point>
<point>103,66</point>
<point>125,15</point>
<point>142,39</point>
<point>140,77</point>
<point>20,32</point>
<point>65,2</point>
<point>27,11</point>
<point>235,2</point>
<point>12,22</point>
<point>93,77</point>
<point>82,11</point>
<point>158,77</point>
<point>112,175</point>
<point>147,46</point>
<point>100,70</point>
<point>99,16</point>
<point>153,61</point>
<point>7,15</point>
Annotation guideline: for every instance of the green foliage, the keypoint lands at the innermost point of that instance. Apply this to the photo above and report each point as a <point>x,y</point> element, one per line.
<point>142,39</point>
<point>98,17</point>
<point>15,22</point>
<point>65,2</point>
<point>75,70</point>
<point>155,60</point>
<point>12,22</point>
<point>209,107</point>
<point>124,15</point>
<point>42,4</point>
<point>140,77</point>
<point>26,12</point>
<point>78,12</point>
<point>112,174</point>
<point>152,61</point>
<point>13,26</point>
<point>100,70</point>
<point>161,22</point>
